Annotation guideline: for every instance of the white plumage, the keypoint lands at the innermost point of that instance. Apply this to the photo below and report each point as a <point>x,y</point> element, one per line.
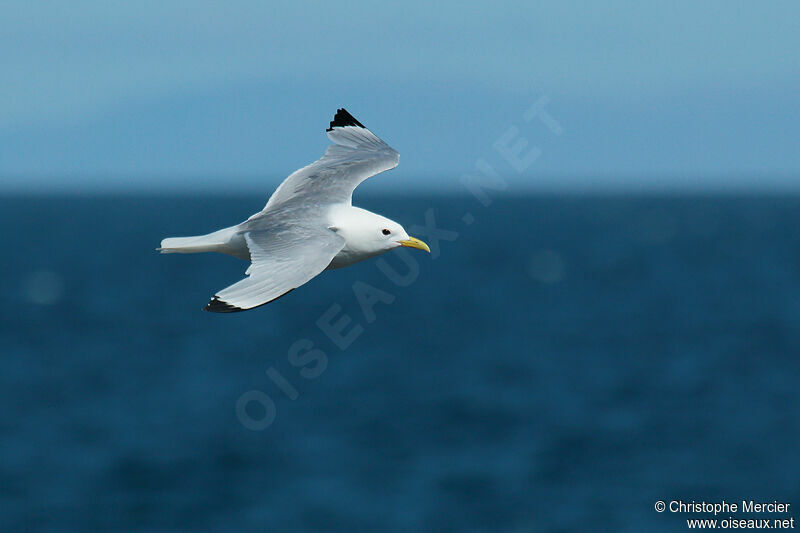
<point>309,223</point>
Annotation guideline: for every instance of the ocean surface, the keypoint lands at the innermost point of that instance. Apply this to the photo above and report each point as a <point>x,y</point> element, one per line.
<point>556,364</point>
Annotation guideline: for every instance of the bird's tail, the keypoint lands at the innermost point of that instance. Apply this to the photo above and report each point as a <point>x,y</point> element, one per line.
<point>213,242</point>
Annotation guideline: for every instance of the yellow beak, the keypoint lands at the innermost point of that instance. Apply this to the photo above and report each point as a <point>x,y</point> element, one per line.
<point>411,242</point>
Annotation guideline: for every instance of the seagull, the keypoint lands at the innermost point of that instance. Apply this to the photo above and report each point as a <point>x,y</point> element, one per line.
<point>309,223</point>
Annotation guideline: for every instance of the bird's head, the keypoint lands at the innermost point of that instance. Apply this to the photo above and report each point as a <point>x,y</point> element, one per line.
<point>370,233</point>
<point>393,235</point>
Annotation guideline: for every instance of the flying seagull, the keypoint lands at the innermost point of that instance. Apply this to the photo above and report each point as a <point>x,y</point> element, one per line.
<point>309,223</point>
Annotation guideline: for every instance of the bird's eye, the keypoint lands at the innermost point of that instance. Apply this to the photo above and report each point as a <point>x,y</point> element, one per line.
<point>386,231</point>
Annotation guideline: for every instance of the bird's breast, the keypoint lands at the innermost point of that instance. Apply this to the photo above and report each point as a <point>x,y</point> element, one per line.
<point>347,257</point>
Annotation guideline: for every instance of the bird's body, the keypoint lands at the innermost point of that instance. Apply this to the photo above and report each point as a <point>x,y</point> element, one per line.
<point>309,223</point>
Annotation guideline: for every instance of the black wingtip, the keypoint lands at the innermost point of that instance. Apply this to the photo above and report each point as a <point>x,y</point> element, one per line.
<point>343,118</point>
<point>220,306</point>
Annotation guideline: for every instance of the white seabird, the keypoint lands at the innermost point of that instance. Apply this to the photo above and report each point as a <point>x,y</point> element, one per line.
<point>309,223</point>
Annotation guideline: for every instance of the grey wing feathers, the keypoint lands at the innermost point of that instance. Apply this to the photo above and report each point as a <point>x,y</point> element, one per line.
<point>356,154</point>
<point>283,258</point>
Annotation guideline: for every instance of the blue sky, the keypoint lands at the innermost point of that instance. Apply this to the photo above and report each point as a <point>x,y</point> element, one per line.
<point>211,95</point>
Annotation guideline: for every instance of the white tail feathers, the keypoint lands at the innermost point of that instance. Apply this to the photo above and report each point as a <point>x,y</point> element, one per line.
<point>222,241</point>
<point>188,245</point>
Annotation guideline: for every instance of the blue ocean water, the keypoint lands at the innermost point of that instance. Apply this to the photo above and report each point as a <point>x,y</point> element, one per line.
<point>557,364</point>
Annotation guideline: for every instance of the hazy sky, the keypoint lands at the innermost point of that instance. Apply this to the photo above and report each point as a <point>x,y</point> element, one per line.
<point>126,95</point>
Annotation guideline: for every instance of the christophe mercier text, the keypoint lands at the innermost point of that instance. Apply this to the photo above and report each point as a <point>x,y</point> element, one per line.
<point>747,506</point>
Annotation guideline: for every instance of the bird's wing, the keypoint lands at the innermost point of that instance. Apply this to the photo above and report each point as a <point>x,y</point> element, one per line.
<point>283,258</point>
<point>356,154</point>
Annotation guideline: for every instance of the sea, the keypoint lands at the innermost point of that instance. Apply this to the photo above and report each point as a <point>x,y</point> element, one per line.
<point>556,363</point>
